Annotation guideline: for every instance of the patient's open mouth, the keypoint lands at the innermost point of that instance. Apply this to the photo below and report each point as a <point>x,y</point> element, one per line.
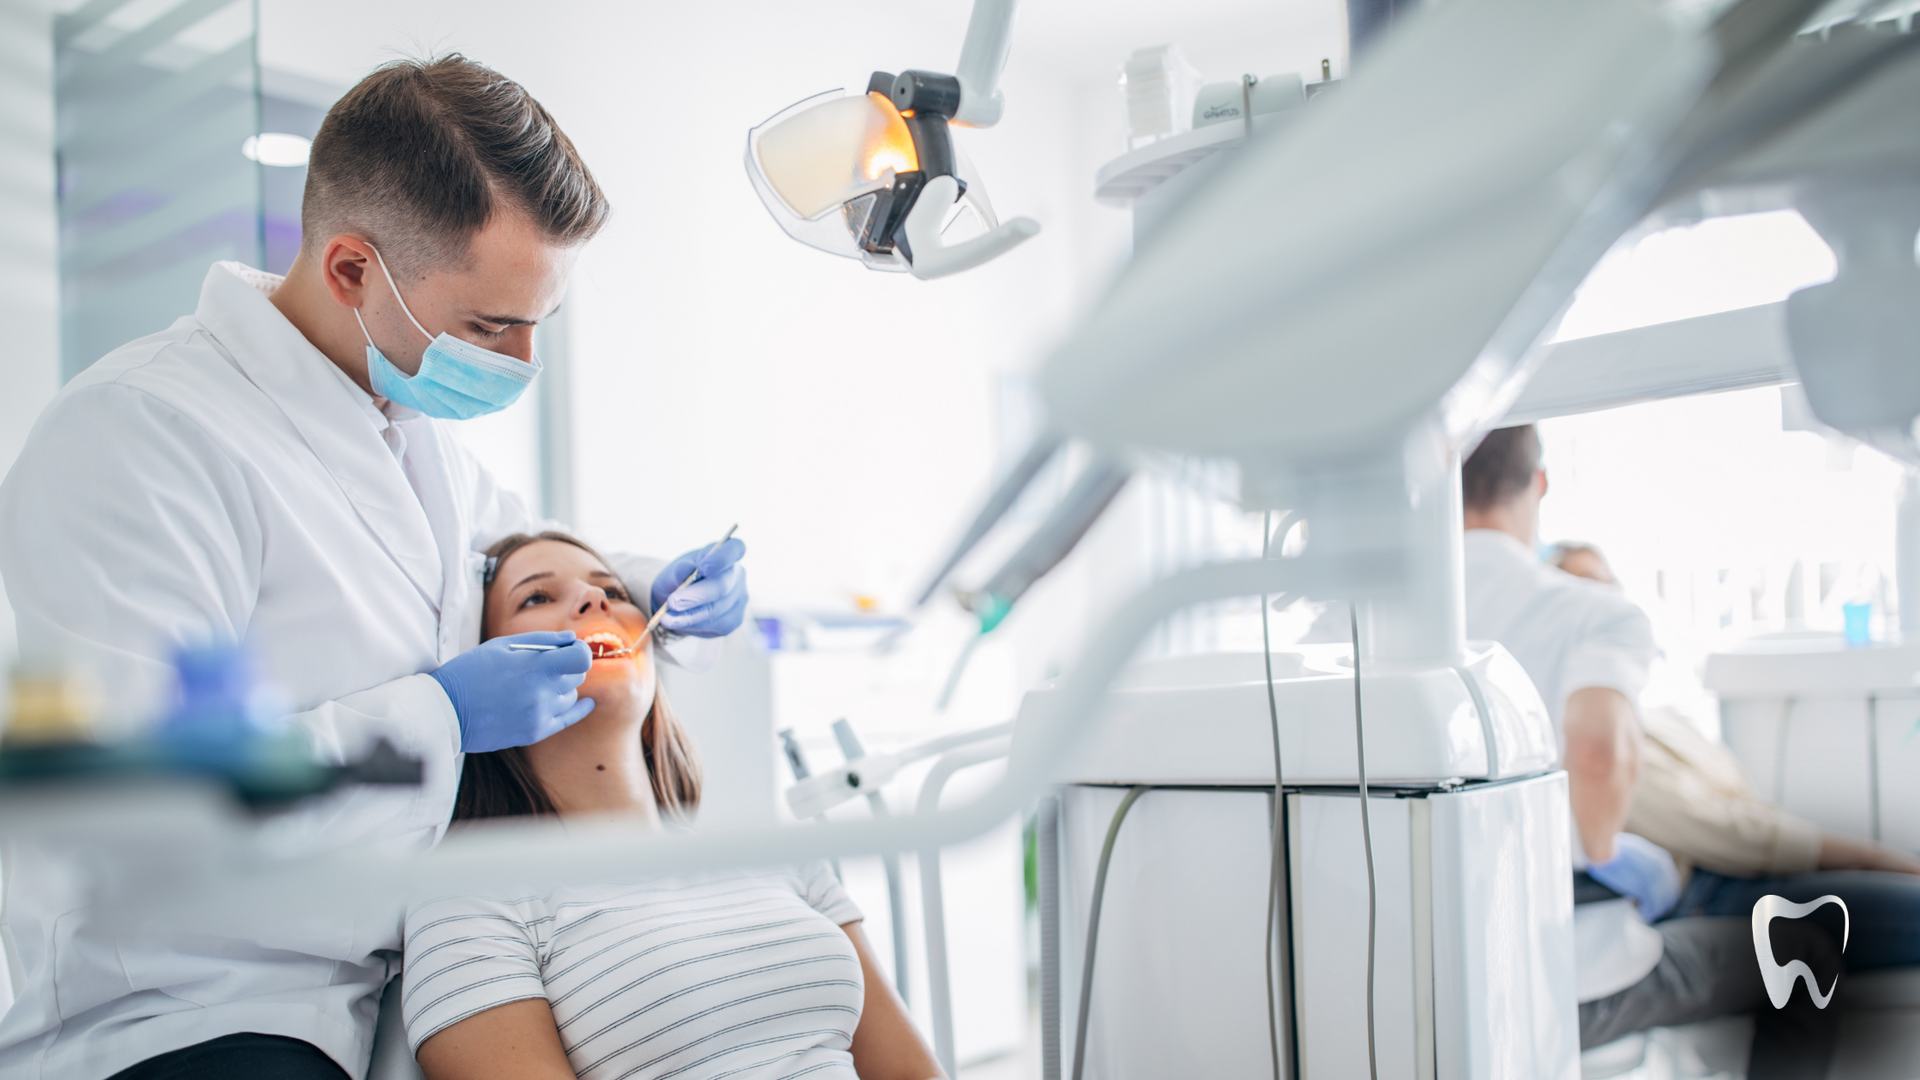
<point>606,646</point>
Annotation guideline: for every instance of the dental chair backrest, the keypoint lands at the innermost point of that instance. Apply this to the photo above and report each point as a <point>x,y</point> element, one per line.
<point>392,1057</point>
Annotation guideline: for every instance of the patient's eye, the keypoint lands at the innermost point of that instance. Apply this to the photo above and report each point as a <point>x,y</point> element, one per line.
<point>615,592</point>
<point>535,597</point>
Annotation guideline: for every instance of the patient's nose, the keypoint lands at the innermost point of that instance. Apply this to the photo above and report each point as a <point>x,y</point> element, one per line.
<point>596,598</point>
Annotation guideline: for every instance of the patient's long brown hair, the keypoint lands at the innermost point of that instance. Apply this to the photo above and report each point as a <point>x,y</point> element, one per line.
<point>501,783</point>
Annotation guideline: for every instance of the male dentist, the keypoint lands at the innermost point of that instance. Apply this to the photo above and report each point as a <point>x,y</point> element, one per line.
<point>274,469</point>
<point>1588,648</point>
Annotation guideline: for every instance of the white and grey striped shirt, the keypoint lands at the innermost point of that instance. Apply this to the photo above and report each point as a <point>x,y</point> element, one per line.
<point>743,975</point>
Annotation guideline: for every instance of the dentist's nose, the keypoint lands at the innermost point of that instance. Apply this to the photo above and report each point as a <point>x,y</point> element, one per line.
<point>519,344</point>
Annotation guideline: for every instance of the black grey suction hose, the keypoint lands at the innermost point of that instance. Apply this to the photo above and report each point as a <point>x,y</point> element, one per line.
<point>1270,533</point>
<point>1099,484</point>
<point>1047,841</point>
<point>1093,929</point>
<point>1095,489</point>
<point>997,505</point>
<point>1366,833</point>
<point>1049,899</point>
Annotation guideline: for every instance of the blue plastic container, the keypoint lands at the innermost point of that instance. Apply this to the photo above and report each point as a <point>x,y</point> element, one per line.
<point>1859,618</point>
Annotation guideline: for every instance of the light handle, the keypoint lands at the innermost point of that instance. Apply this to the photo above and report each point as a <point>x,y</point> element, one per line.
<point>931,258</point>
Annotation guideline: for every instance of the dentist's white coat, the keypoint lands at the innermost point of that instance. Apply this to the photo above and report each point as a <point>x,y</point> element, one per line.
<point>1569,634</point>
<point>224,480</point>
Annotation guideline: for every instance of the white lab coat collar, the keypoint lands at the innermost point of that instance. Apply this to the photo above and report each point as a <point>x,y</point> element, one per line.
<point>320,401</point>
<point>1495,544</point>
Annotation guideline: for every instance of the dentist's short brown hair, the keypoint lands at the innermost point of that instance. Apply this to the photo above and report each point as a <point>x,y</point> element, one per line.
<point>1501,467</point>
<point>421,154</point>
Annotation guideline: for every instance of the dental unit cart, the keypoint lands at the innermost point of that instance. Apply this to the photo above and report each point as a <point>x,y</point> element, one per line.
<point>1829,732</point>
<point>1828,729</point>
<point>1474,965</point>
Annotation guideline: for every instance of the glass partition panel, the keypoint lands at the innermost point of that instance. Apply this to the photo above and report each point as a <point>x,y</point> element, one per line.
<point>156,101</point>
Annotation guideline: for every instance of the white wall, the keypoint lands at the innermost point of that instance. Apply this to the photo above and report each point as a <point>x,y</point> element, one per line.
<point>29,268</point>
<point>29,235</point>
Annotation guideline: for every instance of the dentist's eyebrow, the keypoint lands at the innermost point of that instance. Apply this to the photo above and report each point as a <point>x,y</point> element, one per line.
<point>515,320</point>
<point>533,577</point>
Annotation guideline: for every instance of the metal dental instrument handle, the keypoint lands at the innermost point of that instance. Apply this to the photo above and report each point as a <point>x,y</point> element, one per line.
<point>654,623</point>
<point>797,761</point>
<point>518,646</point>
<point>816,794</point>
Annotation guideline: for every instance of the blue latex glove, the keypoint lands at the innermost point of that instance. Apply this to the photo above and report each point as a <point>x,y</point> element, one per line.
<point>716,603</point>
<point>505,697</point>
<point>1642,871</point>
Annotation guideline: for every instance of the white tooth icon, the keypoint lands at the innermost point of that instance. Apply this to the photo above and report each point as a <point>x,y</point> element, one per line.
<point>1779,979</point>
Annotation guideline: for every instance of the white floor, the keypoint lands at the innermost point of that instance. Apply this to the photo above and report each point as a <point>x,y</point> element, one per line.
<point>1876,1044</point>
<point>1022,1064</point>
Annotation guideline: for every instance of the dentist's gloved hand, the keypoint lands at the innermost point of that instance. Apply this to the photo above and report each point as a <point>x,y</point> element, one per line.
<point>506,697</point>
<point>1642,871</point>
<point>716,603</point>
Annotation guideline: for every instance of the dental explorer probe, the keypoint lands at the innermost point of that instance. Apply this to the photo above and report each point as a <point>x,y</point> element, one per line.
<point>652,623</point>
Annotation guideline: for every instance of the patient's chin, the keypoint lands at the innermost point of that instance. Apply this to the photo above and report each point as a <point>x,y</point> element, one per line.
<point>618,686</point>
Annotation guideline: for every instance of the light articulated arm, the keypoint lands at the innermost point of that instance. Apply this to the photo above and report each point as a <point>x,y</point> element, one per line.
<point>982,58</point>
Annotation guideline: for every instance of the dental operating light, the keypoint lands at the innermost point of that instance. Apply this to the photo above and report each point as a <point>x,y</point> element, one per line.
<point>876,176</point>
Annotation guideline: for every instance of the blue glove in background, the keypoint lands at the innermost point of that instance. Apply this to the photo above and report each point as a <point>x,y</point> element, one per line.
<point>713,606</point>
<point>1642,871</point>
<point>505,697</point>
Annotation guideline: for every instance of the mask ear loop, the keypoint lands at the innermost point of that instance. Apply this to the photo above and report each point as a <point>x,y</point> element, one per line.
<point>395,286</point>
<point>403,307</point>
<point>363,329</point>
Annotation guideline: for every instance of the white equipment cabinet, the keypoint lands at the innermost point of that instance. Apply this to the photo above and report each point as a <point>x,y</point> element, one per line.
<point>1474,952</point>
<point>1831,733</point>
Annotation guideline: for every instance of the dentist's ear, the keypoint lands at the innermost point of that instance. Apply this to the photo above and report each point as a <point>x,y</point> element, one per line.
<point>345,262</point>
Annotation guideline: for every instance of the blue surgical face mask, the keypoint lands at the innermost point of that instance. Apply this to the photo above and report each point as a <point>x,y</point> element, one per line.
<point>457,380</point>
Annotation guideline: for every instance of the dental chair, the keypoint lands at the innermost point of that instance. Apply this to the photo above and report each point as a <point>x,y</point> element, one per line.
<point>1879,1039</point>
<point>392,1057</point>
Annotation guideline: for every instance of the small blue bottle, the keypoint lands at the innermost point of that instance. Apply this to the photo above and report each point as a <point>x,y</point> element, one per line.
<point>1859,623</point>
<point>222,718</point>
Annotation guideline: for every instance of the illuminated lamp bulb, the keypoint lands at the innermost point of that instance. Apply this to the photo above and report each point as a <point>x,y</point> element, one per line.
<point>277,148</point>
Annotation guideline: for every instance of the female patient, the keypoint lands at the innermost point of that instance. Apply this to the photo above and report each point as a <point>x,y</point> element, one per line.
<point>745,974</point>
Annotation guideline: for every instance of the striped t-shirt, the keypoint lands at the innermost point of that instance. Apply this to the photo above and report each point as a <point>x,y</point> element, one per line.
<point>742,975</point>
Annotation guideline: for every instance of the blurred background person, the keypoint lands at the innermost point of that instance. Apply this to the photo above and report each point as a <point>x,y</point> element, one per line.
<point>1733,847</point>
